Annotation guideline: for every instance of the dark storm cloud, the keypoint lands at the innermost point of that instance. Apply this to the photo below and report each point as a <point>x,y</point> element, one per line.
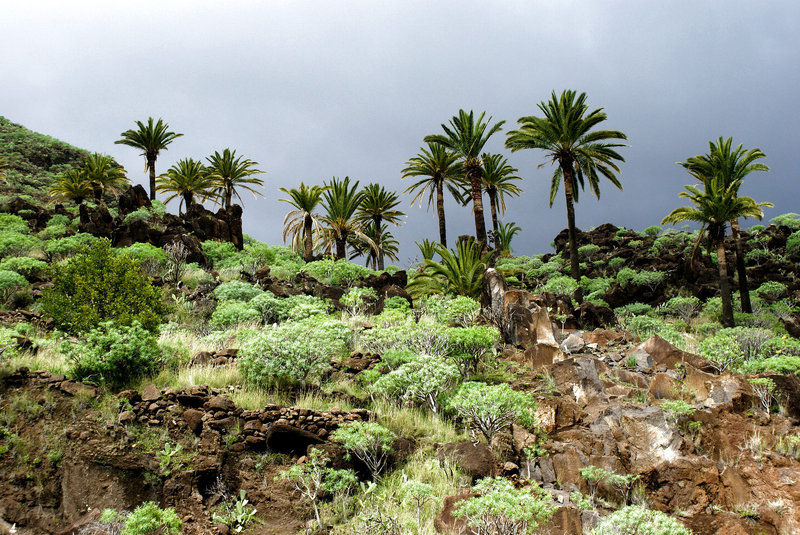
<point>313,90</point>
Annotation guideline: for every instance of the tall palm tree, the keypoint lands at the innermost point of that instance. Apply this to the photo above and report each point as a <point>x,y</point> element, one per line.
<point>73,185</point>
<point>302,224</point>
<point>232,173</point>
<point>467,136</point>
<point>377,248</point>
<point>564,133</point>
<point>442,170</point>
<point>378,205</point>
<point>498,178</point>
<point>714,206</point>
<point>731,165</point>
<point>151,139</point>
<point>340,202</point>
<point>104,174</point>
<point>186,179</point>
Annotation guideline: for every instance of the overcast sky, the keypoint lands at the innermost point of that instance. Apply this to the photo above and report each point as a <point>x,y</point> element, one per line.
<point>313,90</point>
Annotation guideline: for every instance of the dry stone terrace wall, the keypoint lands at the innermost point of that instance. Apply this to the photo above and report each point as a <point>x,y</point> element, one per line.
<point>200,407</point>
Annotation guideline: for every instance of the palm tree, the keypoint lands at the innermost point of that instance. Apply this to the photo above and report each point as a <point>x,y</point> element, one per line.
<point>378,205</point>
<point>231,173</point>
<point>714,206</point>
<point>104,174</point>
<point>442,170</point>
<point>151,139</point>
<point>377,248</point>
<point>497,183</point>
<point>73,184</point>
<point>731,165</point>
<point>564,133</point>
<point>302,223</point>
<point>467,136</point>
<point>340,202</point>
<point>186,179</point>
<point>460,272</point>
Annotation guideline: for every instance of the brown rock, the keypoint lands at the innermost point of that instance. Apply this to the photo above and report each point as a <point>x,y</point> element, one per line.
<point>476,459</point>
<point>194,420</point>
<point>151,393</point>
<point>667,355</point>
<point>565,521</point>
<point>448,524</point>
<point>220,403</point>
<point>74,388</point>
<point>663,387</point>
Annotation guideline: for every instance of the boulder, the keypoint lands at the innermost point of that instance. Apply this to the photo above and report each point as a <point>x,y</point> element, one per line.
<point>445,522</point>
<point>667,355</point>
<point>476,459</point>
<point>573,343</point>
<point>579,378</point>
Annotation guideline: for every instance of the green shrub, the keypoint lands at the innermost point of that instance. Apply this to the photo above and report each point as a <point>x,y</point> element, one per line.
<point>10,281</point>
<point>370,442</point>
<point>16,244</point>
<point>293,354</point>
<point>233,313</point>
<point>419,382</point>
<point>650,279</point>
<point>756,256</point>
<point>645,326</point>
<point>396,303</point>
<point>561,285</point>
<point>588,251</point>
<point>773,289</point>
<point>306,309</point>
<point>114,355</point>
<point>635,519</point>
<point>682,307</point>
<point>358,300</point>
<point>625,276</point>
<point>501,508</point>
<point>790,220</point>
<point>793,243</point>
<point>150,519</point>
<point>336,272</point>
<point>218,252</point>
<point>70,245</point>
<point>730,348</point>
<point>633,309</point>
<point>597,285</point>
<point>468,346</point>
<point>785,364</point>
<point>653,230</point>
<point>236,291</point>
<point>460,309</point>
<point>97,286</point>
<point>489,409</point>
<point>152,259</point>
<point>616,263</point>
<point>13,223</point>
<point>28,267</point>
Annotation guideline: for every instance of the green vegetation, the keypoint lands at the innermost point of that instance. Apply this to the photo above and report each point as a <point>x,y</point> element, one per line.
<point>637,519</point>
<point>151,139</point>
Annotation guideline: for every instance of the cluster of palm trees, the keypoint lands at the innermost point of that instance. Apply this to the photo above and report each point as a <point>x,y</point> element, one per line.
<point>98,174</point>
<point>716,204</point>
<point>455,161</point>
<point>350,219</point>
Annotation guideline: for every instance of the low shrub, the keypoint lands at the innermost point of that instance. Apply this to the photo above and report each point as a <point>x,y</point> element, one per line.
<point>489,409</point>
<point>28,267</point>
<point>368,441</point>
<point>422,381</point>
<point>637,519</point>
<point>114,355</point>
<point>233,313</point>
<point>501,508</point>
<point>561,285</point>
<point>236,291</point>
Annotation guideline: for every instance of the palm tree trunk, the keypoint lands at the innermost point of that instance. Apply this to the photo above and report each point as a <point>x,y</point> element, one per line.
<point>575,268</point>
<point>741,271</point>
<point>724,286</point>
<point>493,209</point>
<point>188,200</point>
<point>308,242</point>
<point>376,220</point>
<point>341,246</point>
<point>440,212</point>
<point>228,196</point>
<point>151,165</point>
<point>477,208</point>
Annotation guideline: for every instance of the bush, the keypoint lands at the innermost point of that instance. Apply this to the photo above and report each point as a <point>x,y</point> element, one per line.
<point>793,243</point>
<point>150,519</point>
<point>561,285</point>
<point>69,246</point>
<point>236,291</point>
<point>10,282</point>
<point>651,279</point>
<point>421,381</point>
<point>16,244</point>
<point>644,327</point>
<point>423,337</point>
<point>773,289</point>
<point>599,285</point>
<point>653,230</point>
<point>633,309</point>
<point>790,220</point>
<point>369,441</point>
<point>358,300</point>
<point>97,286</point>
<point>114,355</point>
<point>468,346</point>
<point>682,307</point>
<point>336,272</point>
<point>588,251</point>
<point>233,313</point>
<point>219,252</point>
<point>489,409</point>
<point>616,263</point>
<point>152,259</point>
<point>13,223</point>
<point>635,519</point>
<point>292,354</point>
<point>500,508</point>
<point>461,309</point>
<point>785,364</point>
<point>625,276</point>
<point>28,267</point>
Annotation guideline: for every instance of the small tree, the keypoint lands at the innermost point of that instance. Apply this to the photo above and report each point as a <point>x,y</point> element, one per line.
<point>315,476</point>
<point>764,387</point>
<point>502,509</point>
<point>97,286</point>
<point>636,519</point>
<point>368,441</point>
<point>422,381</point>
<point>491,408</point>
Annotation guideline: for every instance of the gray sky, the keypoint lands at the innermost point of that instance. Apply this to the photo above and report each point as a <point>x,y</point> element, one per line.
<point>313,90</point>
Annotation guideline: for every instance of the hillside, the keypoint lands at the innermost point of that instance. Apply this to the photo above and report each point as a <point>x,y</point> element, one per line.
<point>154,369</point>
